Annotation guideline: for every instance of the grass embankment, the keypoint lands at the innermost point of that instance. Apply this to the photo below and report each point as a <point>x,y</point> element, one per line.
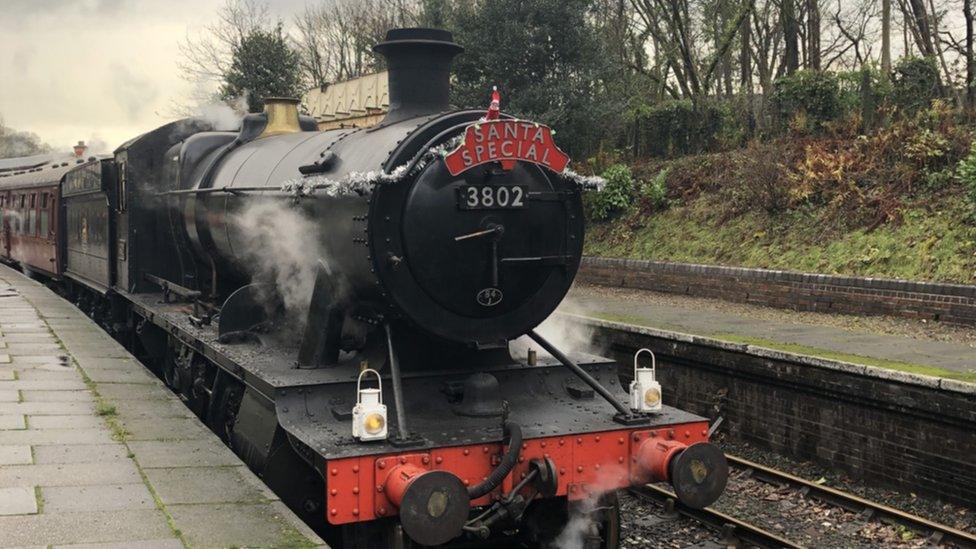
<point>931,241</point>
<point>898,202</point>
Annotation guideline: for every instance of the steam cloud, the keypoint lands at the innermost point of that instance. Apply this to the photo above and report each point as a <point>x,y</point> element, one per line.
<point>565,335</point>
<point>581,524</point>
<point>282,249</point>
<point>223,117</point>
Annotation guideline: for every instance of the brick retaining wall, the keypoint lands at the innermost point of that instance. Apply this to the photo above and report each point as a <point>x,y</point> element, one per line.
<point>954,303</point>
<point>905,431</point>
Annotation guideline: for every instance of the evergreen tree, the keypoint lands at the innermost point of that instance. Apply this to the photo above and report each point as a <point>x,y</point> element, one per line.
<point>544,56</point>
<point>263,66</point>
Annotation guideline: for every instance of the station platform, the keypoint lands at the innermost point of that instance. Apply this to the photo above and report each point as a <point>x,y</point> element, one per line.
<point>915,346</point>
<point>96,452</point>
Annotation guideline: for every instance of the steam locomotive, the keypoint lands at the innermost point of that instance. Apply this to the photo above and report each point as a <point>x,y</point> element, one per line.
<point>338,306</point>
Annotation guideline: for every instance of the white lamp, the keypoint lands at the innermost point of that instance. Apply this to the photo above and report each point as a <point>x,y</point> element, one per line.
<point>645,391</point>
<point>369,413</point>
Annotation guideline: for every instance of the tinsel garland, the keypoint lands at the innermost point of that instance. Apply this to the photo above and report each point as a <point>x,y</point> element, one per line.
<point>361,183</point>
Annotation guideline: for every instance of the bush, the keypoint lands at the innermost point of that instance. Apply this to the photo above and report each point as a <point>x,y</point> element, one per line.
<point>927,149</point>
<point>966,173</point>
<point>810,96</point>
<point>759,182</point>
<point>654,193</point>
<point>679,127</point>
<point>915,83</point>
<point>616,195</point>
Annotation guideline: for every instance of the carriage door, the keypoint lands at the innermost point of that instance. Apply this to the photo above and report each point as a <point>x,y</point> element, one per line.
<point>4,224</point>
<point>122,228</point>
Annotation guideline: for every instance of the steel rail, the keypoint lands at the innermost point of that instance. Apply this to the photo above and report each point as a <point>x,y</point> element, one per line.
<point>726,524</point>
<point>938,533</point>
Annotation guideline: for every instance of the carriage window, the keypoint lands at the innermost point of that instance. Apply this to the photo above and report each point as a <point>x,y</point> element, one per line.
<point>33,202</point>
<point>123,176</point>
<point>45,217</point>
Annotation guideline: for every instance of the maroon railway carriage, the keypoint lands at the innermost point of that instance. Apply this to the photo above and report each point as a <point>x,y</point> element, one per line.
<point>30,206</point>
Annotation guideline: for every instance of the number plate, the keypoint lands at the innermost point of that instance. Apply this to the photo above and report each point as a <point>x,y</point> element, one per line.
<point>492,197</point>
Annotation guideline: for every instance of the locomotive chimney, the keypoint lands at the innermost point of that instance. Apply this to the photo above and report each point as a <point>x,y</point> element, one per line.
<point>80,149</point>
<point>419,65</point>
<point>282,115</point>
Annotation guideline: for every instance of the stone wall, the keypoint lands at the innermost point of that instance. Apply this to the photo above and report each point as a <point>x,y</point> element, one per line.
<point>909,432</point>
<point>954,303</point>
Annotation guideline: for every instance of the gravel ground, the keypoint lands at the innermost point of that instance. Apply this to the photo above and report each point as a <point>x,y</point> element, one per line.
<point>787,513</point>
<point>642,526</point>
<point>919,329</point>
<point>946,513</point>
<point>784,511</point>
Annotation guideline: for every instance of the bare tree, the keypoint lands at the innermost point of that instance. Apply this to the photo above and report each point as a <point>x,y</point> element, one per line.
<point>671,24</point>
<point>768,34</point>
<point>335,37</point>
<point>886,36</point>
<point>967,9</point>
<point>791,49</point>
<point>813,34</point>
<point>745,54</point>
<point>918,24</point>
<point>207,56</point>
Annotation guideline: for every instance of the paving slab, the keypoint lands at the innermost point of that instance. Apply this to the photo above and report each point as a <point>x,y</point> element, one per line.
<point>230,525</point>
<point>87,363</point>
<point>109,497</point>
<point>136,391</point>
<point>29,338</point>
<point>206,485</point>
<point>80,453</point>
<point>66,422</point>
<point>148,428</point>
<point>139,544</point>
<point>81,395</point>
<point>69,474</point>
<point>46,359</point>
<point>47,408</point>
<point>85,527</point>
<point>32,349</point>
<point>43,385</point>
<point>18,501</point>
<point>56,436</point>
<point>159,408</point>
<point>54,374</point>
<point>121,376</point>
<point>6,375</point>
<point>15,455</point>
<point>9,396</point>
<point>15,421</point>
<point>182,453</point>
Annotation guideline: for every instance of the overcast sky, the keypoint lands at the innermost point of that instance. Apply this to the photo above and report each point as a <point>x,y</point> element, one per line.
<point>97,70</point>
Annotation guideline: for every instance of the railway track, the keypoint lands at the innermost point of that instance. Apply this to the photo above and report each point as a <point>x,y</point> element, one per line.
<point>736,531</point>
